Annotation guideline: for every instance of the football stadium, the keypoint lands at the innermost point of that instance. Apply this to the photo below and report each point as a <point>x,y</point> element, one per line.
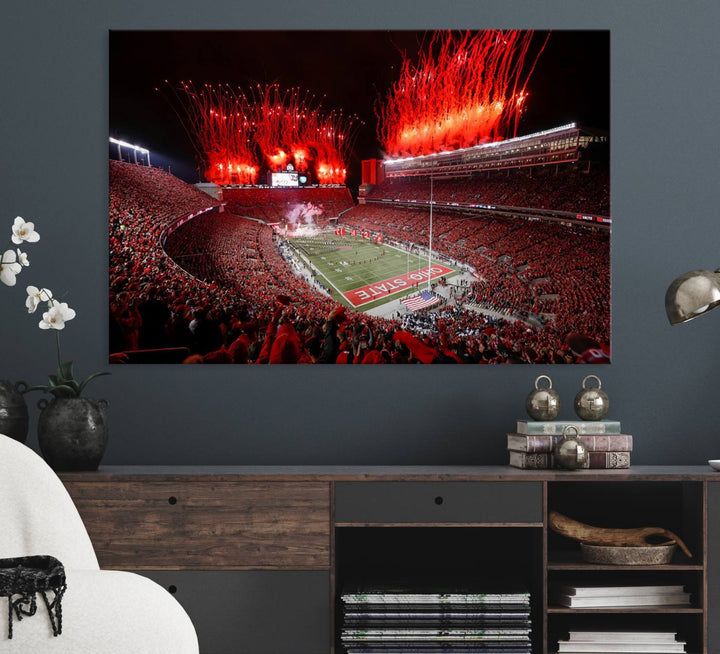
<point>433,224</point>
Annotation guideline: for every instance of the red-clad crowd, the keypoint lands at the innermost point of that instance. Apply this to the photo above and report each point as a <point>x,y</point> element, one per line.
<point>222,289</point>
<point>270,203</point>
<point>567,187</point>
<point>526,267</point>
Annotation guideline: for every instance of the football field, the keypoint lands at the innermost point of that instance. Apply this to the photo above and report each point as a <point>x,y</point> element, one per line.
<point>363,274</point>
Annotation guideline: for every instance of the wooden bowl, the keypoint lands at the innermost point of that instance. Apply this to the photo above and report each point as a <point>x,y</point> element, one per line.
<point>621,555</point>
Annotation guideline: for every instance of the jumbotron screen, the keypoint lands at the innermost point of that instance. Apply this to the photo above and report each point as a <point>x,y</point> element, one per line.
<point>284,178</point>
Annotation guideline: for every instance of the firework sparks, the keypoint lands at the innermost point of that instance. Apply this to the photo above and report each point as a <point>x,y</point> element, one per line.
<point>235,133</point>
<point>465,89</point>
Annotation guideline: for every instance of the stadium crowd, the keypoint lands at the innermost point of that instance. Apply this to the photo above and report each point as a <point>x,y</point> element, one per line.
<point>269,204</point>
<point>566,187</point>
<point>220,291</point>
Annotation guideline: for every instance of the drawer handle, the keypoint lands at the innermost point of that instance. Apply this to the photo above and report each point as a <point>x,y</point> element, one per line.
<point>172,500</point>
<point>172,589</point>
<point>439,500</point>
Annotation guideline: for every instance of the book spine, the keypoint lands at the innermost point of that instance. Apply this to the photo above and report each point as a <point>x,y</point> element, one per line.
<point>596,460</point>
<point>608,460</point>
<point>603,461</point>
<point>593,442</point>
<point>529,460</point>
<point>555,428</point>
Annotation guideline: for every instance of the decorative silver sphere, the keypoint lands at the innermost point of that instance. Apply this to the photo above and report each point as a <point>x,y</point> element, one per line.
<point>591,403</point>
<point>570,452</point>
<point>543,403</point>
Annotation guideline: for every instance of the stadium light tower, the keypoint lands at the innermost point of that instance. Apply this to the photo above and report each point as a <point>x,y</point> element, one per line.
<point>134,148</point>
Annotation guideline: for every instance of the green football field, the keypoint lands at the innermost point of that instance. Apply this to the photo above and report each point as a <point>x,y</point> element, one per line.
<point>364,274</point>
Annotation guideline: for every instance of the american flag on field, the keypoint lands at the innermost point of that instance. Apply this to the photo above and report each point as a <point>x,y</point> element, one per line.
<point>423,301</point>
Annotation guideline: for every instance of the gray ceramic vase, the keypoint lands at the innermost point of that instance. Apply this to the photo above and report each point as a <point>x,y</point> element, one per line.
<point>72,433</point>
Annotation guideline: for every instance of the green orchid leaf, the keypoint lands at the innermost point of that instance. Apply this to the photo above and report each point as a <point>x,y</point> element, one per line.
<point>65,371</point>
<point>44,389</point>
<point>88,379</point>
<point>53,380</point>
<point>63,391</point>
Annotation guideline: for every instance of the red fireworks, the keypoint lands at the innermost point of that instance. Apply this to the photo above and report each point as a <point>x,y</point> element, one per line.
<point>236,133</point>
<point>465,89</point>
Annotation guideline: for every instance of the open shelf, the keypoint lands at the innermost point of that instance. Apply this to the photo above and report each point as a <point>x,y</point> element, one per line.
<point>626,609</point>
<point>679,507</point>
<point>572,560</point>
<point>480,559</point>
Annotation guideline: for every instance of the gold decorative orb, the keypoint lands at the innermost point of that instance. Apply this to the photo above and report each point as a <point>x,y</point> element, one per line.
<point>570,453</point>
<point>543,403</point>
<point>591,403</point>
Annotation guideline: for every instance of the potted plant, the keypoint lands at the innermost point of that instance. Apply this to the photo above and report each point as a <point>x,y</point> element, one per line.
<point>72,430</point>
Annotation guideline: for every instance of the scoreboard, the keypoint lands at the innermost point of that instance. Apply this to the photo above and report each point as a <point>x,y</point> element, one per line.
<point>285,178</point>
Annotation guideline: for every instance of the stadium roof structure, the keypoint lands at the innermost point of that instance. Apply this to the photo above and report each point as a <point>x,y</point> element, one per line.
<point>562,144</point>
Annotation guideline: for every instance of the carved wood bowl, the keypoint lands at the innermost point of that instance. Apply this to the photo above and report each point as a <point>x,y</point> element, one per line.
<point>628,555</point>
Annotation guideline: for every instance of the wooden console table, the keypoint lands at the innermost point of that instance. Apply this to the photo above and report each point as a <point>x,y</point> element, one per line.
<point>259,555</point>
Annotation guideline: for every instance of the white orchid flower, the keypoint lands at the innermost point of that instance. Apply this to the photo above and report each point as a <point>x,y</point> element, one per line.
<point>56,316</point>
<point>22,231</point>
<point>9,267</point>
<point>22,258</point>
<point>36,296</point>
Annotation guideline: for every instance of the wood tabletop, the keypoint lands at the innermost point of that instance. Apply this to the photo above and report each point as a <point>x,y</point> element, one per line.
<point>390,473</point>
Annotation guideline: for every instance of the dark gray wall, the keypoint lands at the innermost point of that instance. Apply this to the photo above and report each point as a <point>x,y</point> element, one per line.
<point>663,383</point>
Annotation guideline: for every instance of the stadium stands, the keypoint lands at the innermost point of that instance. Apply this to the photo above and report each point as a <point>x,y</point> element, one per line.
<point>570,187</point>
<point>222,289</point>
<point>270,204</point>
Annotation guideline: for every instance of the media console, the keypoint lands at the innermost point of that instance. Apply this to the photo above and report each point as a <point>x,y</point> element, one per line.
<point>258,556</point>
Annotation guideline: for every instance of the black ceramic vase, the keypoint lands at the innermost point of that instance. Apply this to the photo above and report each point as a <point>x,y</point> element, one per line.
<point>13,410</point>
<point>72,433</point>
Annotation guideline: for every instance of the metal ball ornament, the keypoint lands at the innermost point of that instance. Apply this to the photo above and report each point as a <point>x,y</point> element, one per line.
<point>591,403</point>
<point>543,403</point>
<point>570,453</point>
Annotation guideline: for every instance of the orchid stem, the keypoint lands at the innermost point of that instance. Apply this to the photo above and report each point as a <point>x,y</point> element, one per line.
<point>57,334</point>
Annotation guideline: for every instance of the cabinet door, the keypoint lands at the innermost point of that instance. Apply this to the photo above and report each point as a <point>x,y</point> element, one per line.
<point>254,612</point>
<point>206,525</point>
<point>713,566</point>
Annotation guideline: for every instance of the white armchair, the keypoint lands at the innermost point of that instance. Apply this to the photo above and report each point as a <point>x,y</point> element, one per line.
<point>104,612</point>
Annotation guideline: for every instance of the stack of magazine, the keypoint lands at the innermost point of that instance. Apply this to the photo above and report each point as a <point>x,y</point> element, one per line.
<point>584,597</point>
<point>599,642</point>
<point>391,621</point>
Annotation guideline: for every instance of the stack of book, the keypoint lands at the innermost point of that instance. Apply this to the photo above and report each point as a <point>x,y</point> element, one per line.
<point>647,642</point>
<point>583,597</point>
<point>531,446</point>
<point>400,622</point>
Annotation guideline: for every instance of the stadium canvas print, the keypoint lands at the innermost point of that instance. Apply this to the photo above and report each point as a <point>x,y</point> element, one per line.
<point>359,197</point>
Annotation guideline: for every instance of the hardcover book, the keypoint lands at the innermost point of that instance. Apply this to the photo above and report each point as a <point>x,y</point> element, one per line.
<point>565,647</point>
<point>555,427</point>
<point>596,460</point>
<point>667,599</point>
<point>546,442</point>
<point>604,591</point>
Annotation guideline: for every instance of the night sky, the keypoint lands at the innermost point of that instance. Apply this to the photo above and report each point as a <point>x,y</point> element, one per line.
<point>352,69</point>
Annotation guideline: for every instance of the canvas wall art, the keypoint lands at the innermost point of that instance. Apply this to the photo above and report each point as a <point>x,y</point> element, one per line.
<point>359,197</point>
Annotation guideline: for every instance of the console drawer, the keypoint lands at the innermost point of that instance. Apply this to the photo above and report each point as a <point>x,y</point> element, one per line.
<point>254,611</point>
<point>245,525</point>
<point>405,502</point>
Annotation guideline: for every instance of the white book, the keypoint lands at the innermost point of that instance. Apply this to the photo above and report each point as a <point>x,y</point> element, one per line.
<point>621,648</point>
<point>624,636</point>
<point>615,591</point>
<point>633,600</point>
